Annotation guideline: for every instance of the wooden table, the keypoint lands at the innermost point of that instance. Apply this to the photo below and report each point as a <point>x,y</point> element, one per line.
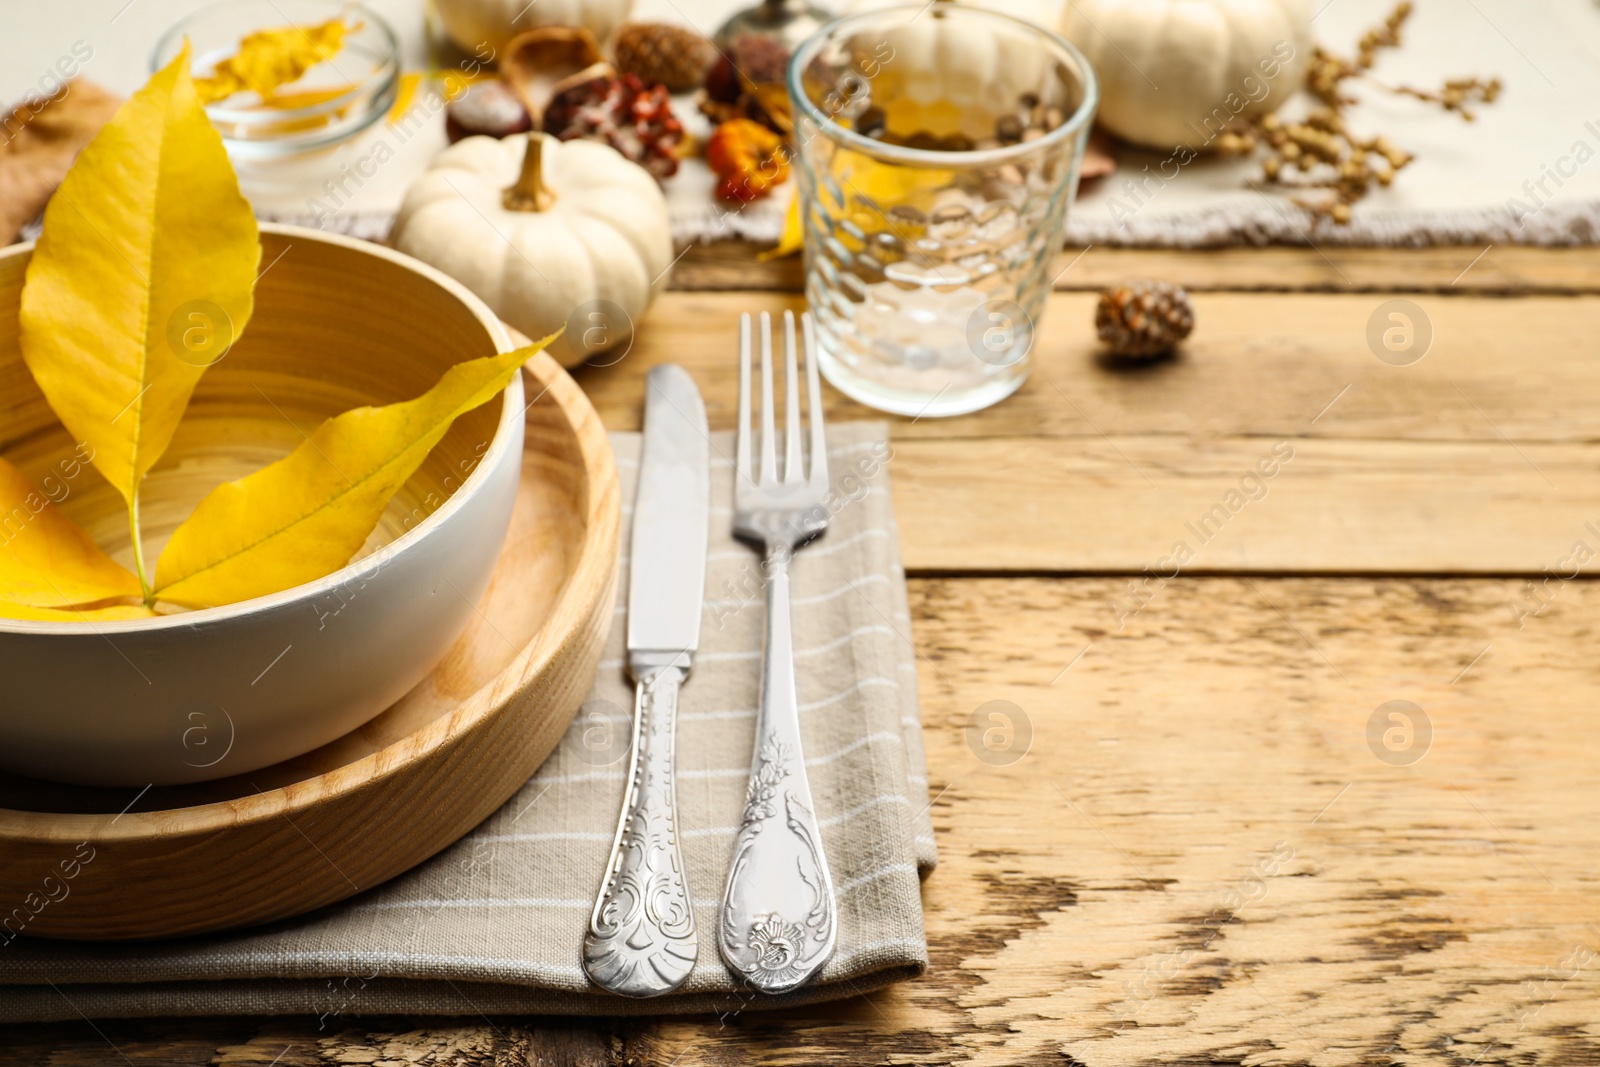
<point>1217,848</point>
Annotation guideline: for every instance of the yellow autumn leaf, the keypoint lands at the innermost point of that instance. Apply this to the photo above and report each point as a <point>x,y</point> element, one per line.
<point>404,96</point>
<point>142,277</point>
<point>46,561</point>
<point>268,59</point>
<point>793,236</point>
<point>114,613</point>
<point>864,179</point>
<point>306,515</point>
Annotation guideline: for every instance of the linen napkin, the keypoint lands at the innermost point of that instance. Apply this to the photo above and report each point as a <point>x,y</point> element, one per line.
<point>495,923</point>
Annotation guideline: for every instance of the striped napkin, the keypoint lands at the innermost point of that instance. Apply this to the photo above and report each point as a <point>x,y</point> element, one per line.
<point>495,923</point>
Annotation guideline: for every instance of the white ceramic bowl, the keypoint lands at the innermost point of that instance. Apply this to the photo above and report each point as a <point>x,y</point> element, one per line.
<point>224,691</point>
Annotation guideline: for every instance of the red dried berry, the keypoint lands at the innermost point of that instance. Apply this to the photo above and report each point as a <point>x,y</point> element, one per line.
<point>634,118</point>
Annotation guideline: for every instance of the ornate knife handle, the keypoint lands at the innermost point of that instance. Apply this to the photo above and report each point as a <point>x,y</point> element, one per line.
<point>779,919</point>
<point>641,940</point>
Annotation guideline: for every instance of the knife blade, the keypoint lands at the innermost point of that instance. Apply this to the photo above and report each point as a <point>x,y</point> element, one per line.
<point>671,524</point>
<point>641,940</point>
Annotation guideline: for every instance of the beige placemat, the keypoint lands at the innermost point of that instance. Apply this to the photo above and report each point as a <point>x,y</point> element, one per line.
<point>495,923</point>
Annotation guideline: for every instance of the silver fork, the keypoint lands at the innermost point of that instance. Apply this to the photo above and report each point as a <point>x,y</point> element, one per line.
<point>779,917</point>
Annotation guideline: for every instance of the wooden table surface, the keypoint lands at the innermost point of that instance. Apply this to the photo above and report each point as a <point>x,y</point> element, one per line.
<point>1223,844</point>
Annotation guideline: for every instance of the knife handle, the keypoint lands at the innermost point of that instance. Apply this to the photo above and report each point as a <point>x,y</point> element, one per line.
<point>641,940</point>
<point>779,919</point>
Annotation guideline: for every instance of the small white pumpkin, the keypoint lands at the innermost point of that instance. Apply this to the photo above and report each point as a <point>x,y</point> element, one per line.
<point>1175,72</point>
<point>473,23</point>
<point>543,230</point>
<point>951,68</point>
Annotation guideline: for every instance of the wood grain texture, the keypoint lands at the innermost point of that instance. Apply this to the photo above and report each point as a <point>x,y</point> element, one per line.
<point>1473,460</point>
<point>1496,269</point>
<point>1257,364</point>
<point>1108,898</point>
<point>1158,506</point>
<point>1111,898</point>
<point>290,838</point>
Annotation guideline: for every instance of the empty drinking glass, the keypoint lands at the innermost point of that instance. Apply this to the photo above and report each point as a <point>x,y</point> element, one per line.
<point>939,148</point>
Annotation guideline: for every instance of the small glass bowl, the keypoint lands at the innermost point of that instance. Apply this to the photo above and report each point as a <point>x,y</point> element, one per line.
<point>345,94</point>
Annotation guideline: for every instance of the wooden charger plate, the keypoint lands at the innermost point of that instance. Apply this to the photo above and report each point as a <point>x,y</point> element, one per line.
<point>105,863</point>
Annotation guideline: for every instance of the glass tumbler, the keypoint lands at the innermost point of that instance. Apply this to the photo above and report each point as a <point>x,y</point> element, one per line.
<point>939,147</point>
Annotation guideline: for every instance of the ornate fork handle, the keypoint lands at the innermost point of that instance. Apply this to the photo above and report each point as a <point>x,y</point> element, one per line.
<point>779,920</point>
<point>641,940</point>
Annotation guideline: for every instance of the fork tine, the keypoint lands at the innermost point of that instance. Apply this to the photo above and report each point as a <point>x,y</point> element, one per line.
<point>819,443</point>
<point>769,435</point>
<point>791,396</point>
<point>742,446</point>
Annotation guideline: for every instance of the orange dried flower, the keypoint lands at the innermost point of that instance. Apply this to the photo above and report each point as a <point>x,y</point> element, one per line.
<point>749,158</point>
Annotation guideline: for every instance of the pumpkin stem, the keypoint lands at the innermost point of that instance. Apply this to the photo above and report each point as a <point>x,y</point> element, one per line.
<point>529,193</point>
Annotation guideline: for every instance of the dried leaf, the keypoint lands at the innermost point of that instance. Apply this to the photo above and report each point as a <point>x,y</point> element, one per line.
<point>268,59</point>
<point>43,137</point>
<point>793,237</point>
<point>142,277</point>
<point>46,561</point>
<point>114,613</point>
<point>871,188</point>
<point>404,96</point>
<point>308,514</point>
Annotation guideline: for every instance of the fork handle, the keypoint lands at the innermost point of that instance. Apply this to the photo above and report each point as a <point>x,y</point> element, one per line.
<point>779,917</point>
<point>641,940</point>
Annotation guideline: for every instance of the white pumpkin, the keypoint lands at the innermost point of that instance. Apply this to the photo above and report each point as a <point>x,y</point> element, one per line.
<point>473,23</point>
<point>1175,72</point>
<point>950,67</point>
<point>548,233</point>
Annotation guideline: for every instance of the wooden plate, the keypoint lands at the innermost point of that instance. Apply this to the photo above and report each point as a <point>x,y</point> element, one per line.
<point>106,863</point>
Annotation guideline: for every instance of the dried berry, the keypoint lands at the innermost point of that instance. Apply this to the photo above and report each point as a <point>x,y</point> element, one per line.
<point>487,108</point>
<point>675,56</point>
<point>1143,319</point>
<point>634,118</point>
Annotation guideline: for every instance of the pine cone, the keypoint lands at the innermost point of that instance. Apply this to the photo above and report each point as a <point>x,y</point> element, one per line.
<point>633,118</point>
<point>1142,319</point>
<point>675,56</point>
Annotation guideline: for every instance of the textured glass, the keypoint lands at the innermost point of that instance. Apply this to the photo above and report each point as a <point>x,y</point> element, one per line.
<point>938,152</point>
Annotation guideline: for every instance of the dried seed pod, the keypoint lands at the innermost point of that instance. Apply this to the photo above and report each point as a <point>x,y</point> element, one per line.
<point>541,63</point>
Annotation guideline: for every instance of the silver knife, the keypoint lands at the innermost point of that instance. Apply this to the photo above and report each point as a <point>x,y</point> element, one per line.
<point>641,940</point>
